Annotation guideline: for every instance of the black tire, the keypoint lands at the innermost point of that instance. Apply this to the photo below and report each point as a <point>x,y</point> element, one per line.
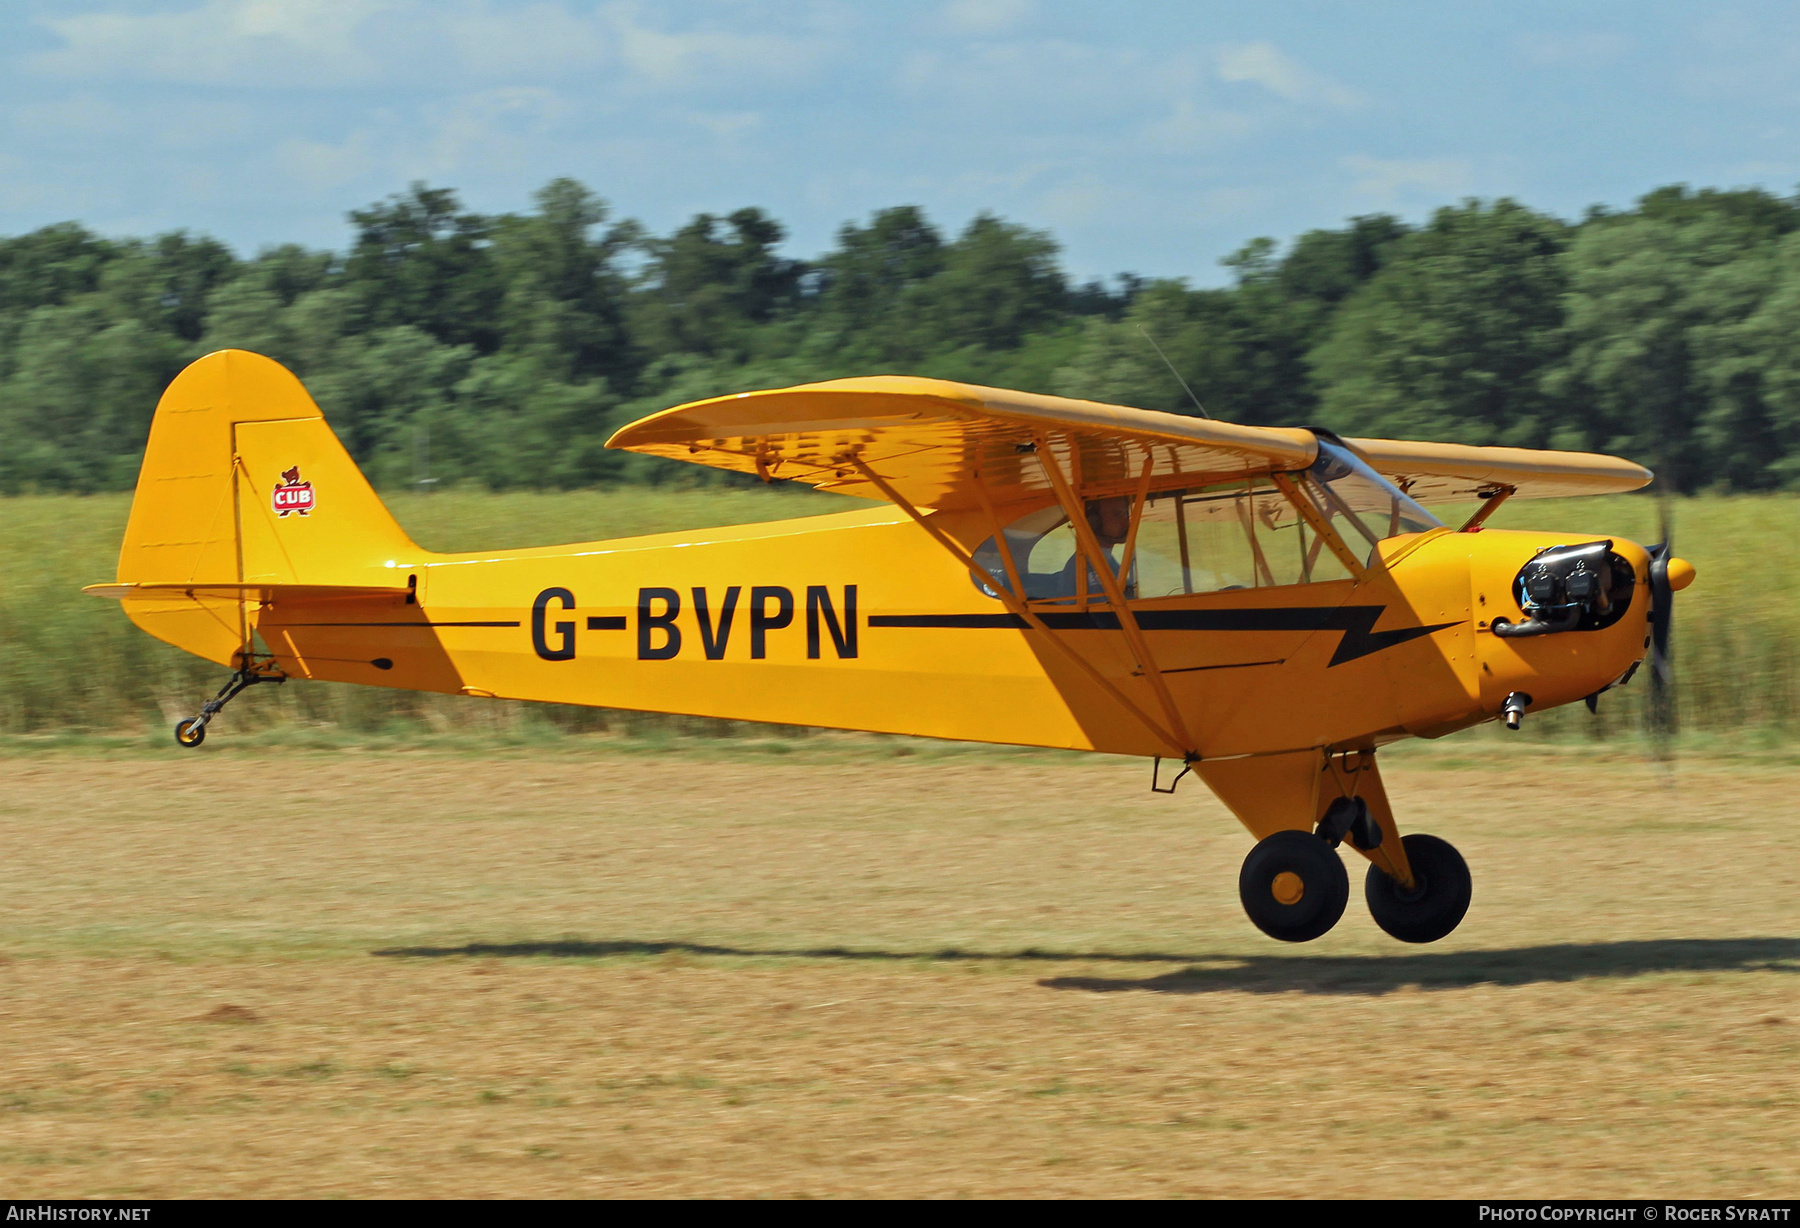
<point>1440,897</point>
<point>1324,887</point>
<point>190,733</point>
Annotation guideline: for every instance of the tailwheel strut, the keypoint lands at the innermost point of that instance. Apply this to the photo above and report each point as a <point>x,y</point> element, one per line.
<point>191,732</point>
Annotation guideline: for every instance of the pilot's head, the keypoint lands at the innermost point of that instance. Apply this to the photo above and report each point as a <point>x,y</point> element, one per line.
<point>1110,519</point>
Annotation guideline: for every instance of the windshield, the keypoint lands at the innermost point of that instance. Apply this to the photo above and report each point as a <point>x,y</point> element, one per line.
<point>1348,492</point>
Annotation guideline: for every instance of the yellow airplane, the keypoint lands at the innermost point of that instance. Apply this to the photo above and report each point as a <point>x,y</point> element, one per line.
<point>1265,607</point>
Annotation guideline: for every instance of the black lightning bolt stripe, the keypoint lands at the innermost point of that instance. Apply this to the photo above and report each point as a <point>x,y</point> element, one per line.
<point>514,623</point>
<point>1357,622</point>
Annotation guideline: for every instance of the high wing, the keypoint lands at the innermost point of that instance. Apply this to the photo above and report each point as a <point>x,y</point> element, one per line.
<point>1460,473</point>
<point>929,439</point>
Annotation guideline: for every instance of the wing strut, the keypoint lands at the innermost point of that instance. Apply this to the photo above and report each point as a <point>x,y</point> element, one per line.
<point>1097,562</point>
<point>1493,497</point>
<point>1179,744</point>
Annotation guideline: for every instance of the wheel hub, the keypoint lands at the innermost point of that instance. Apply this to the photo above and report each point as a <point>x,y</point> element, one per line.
<point>1288,887</point>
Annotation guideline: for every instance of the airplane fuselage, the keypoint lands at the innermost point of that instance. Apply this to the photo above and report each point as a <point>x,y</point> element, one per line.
<point>860,620</point>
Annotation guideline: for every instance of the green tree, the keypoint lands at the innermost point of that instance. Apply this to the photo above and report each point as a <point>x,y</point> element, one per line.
<point>1770,336</point>
<point>419,260</point>
<point>1243,351</point>
<point>867,280</point>
<point>1660,360</point>
<point>565,297</point>
<point>998,284</point>
<point>76,408</point>
<point>708,286</point>
<point>1452,337</point>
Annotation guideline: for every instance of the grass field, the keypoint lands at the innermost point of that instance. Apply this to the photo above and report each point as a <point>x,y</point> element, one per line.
<point>72,663</point>
<point>548,971</point>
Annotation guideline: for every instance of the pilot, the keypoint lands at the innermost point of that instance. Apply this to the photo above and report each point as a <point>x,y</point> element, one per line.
<point>1110,519</point>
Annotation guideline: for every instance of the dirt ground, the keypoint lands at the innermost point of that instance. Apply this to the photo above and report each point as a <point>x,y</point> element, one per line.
<point>562,973</point>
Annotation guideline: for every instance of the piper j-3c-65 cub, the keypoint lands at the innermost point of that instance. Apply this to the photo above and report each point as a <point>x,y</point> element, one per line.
<point>1265,607</point>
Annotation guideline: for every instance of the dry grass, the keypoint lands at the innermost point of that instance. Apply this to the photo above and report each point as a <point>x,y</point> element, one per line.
<point>554,974</point>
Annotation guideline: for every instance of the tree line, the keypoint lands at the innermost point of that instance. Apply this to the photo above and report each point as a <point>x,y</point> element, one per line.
<point>502,350</point>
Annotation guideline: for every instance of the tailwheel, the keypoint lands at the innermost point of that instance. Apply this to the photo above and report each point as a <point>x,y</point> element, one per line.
<point>1293,886</point>
<point>1437,900</point>
<point>191,732</point>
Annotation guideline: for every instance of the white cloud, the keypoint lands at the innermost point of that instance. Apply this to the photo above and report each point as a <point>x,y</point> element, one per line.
<point>486,129</point>
<point>727,124</point>
<point>1580,49</point>
<point>986,16</point>
<point>1081,200</point>
<point>222,42</point>
<point>79,115</point>
<point>1734,56</point>
<point>20,189</point>
<point>322,165</point>
<point>1265,65</point>
<point>1190,125</point>
<point>1386,180</point>
<point>533,40</point>
<point>1040,86</point>
<point>290,44</point>
<point>88,116</point>
<point>1217,203</point>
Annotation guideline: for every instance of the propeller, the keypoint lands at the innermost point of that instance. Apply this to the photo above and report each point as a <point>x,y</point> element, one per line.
<point>1662,716</point>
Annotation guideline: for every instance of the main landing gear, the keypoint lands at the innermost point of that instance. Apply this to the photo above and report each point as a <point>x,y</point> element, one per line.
<point>191,732</point>
<point>1294,886</point>
<point>1437,900</point>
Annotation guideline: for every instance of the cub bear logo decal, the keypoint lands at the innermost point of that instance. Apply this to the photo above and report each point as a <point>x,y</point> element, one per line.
<point>292,495</point>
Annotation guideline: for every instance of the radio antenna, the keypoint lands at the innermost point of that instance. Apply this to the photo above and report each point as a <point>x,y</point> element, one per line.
<point>1173,371</point>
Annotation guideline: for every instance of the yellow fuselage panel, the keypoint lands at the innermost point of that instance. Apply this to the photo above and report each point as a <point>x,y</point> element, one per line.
<point>862,621</point>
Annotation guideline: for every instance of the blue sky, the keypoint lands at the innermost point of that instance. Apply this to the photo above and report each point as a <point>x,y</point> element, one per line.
<point>1152,137</point>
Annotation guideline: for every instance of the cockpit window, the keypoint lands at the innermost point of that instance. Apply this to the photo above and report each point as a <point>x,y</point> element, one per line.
<point>1044,551</point>
<point>1242,534</point>
<point>1359,502</point>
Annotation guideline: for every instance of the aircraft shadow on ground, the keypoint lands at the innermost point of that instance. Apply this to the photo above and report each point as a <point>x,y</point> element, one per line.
<point>1353,975</point>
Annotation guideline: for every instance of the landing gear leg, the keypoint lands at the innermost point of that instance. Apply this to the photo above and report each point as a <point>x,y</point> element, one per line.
<point>1418,886</point>
<point>191,732</point>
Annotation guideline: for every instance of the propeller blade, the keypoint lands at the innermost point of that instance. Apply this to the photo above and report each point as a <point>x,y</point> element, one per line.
<point>1661,717</point>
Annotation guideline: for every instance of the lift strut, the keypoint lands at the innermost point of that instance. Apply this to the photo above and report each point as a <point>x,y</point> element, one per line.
<point>1174,734</point>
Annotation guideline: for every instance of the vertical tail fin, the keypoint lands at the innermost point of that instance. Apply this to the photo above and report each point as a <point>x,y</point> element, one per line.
<point>244,483</point>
